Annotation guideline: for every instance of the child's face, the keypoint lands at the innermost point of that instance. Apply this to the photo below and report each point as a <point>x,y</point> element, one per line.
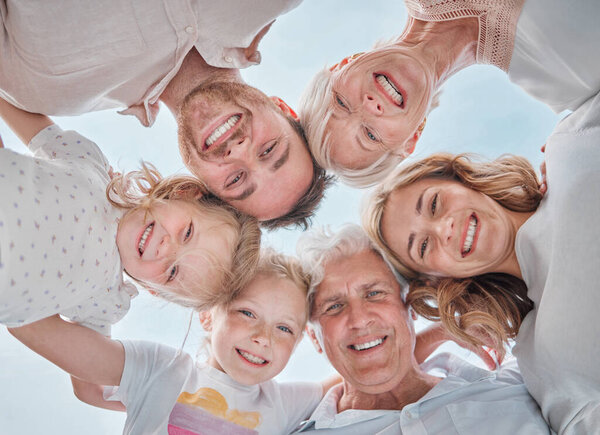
<point>174,243</point>
<point>252,338</point>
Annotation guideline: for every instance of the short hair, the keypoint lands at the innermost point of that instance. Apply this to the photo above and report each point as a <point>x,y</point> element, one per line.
<point>315,111</point>
<point>302,212</point>
<point>142,188</point>
<point>494,304</point>
<point>321,246</point>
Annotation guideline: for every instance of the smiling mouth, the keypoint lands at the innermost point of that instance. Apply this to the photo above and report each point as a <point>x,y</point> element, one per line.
<point>368,345</point>
<point>220,130</point>
<point>390,89</point>
<point>470,236</point>
<point>144,238</point>
<point>253,359</point>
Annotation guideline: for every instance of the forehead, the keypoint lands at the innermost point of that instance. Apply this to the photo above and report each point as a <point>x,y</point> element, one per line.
<point>270,290</point>
<point>351,273</point>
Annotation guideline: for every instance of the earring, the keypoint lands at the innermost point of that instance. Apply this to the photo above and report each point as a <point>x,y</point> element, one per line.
<point>421,127</point>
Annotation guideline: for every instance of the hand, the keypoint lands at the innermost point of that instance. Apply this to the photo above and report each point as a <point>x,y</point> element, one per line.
<point>544,185</point>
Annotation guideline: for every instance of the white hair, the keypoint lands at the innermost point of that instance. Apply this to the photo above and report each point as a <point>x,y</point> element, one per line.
<point>321,245</point>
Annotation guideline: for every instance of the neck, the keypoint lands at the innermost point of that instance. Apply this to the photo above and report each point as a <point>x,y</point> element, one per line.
<point>409,390</point>
<point>448,46</point>
<point>511,264</point>
<point>194,71</point>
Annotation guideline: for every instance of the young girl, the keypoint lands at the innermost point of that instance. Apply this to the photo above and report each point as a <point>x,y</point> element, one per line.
<point>64,244</point>
<point>250,339</point>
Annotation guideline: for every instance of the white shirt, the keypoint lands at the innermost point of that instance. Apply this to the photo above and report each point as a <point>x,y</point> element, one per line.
<point>556,56</point>
<point>167,392</point>
<point>58,252</point>
<point>469,400</point>
<point>92,55</point>
<point>558,250</point>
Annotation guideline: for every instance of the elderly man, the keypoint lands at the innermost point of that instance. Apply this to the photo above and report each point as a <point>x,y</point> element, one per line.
<point>83,56</point>
<point>358,318</point>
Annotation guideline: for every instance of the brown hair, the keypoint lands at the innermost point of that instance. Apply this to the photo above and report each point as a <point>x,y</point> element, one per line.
<point>140,189</point>
<point>492,304</point>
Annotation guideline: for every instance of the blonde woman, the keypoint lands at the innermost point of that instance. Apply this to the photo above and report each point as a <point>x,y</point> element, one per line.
<point>365,114</point>
<point>493,260</point>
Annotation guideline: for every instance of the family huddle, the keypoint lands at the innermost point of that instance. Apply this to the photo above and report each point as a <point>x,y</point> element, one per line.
<point>501,260</point>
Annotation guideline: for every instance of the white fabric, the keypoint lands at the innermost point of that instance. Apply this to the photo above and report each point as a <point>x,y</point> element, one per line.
<point>556,56</point>
<point>57,235</point>
<point>469,400</point>
<point>559,254</point>
<point>93,55</point>
<point>157,379</point>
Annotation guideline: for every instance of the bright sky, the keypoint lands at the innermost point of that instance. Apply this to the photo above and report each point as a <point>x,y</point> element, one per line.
<point>480,111</point>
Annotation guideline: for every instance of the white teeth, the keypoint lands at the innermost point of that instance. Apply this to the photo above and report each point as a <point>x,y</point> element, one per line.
<point>390,89</point>
<point>368,345</point>
<point>222,129</point>
<point>470,234</point>
<point>251,358</point>
<point>142,244</point>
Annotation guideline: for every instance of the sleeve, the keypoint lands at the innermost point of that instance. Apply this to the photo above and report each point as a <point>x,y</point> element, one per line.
<point>300,399</point>
<point>54,143</point>
<point>153,377</point>
<point>99,313</point>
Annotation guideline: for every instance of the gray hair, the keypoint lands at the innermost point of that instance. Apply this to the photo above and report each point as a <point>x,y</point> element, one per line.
<point>322,245</point>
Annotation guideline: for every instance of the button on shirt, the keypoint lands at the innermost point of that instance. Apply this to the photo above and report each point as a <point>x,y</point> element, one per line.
<point>468,400</point>
<point>119,53</point>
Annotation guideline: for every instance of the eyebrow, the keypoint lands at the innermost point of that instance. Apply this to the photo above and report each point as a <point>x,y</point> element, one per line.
<point>245,194</point>
<point>411,237</point>
<point>283,159</point>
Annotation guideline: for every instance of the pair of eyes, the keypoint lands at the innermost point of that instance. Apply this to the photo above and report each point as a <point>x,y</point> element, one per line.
<point>369,134</point>
<point>280,327</point>
<point>186,237</point>
<point>425,243</point>
<point>238,176</point>
<point>336,307</point>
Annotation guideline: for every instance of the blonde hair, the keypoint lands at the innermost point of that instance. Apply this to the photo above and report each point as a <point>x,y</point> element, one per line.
<point>315,110</point>
<point>142,188</point>
<point>494,303</point>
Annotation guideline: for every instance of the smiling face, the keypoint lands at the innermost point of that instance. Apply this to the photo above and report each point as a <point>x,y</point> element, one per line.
<point>253,338</point>
<point>174,243</point>
<point>362,323</point>
<point>245,149</point>
<point>443,228</point>
<point>379,101</point>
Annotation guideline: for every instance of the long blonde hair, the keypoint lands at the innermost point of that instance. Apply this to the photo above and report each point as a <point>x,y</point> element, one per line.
<point>493,304</point>
<point>142,188</point>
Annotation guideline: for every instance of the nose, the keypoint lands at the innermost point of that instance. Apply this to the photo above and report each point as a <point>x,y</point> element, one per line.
<point>261,335</point>
<point>359,316</point>
<point>237,147</point>
<point>444,228</point>
<point>165,247</point>
<point>372,105</point>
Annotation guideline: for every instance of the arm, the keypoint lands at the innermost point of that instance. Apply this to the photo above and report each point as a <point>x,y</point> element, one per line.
<point>330,382</point>
<point>432,337</point>
<point>80,351</point>
<point>24,124</point>
<point>92,394</point>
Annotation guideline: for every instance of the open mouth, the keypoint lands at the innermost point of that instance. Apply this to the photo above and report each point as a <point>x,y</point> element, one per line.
<point>470,236</point>
<point>252,359</point>
<point>368,345</point>
<point>221,131</point>
<point>390,89</point>
<point>144,238</point>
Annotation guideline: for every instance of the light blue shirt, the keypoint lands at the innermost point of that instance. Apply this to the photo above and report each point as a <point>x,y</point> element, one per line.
<point>468,400</point>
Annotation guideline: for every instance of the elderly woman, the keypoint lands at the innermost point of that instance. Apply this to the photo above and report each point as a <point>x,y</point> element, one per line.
<point>476,242</point>
<point>365,114</point>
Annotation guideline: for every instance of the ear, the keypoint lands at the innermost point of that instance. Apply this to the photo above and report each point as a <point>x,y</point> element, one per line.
<point>410,144</point>
<point>412,313</point>
<point>313,337</point>
<point>205,320</point>
<point>287,110</point>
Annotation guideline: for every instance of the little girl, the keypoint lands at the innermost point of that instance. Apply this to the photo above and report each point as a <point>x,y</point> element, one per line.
<point>251,339</point>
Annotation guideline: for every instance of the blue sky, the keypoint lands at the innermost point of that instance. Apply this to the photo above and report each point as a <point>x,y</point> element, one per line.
<point>480,111</point>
